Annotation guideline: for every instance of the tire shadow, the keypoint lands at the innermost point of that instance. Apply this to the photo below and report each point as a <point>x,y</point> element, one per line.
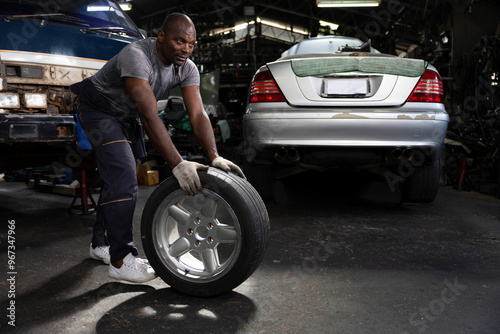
<point>167,311</point>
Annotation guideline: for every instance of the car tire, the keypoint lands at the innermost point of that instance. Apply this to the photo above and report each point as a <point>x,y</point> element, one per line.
<point>207,244</point>
<point>422,185</point>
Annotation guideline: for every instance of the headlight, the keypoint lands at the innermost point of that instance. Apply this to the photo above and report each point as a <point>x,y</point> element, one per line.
<point>3,84</point>
<point>9,100</point>
<point>32,100</point>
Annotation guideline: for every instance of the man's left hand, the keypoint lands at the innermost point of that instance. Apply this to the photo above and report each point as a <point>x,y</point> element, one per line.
<point>227,165</point>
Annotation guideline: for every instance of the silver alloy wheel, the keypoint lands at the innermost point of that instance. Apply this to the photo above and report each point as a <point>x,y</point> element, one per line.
<point>198,238</point>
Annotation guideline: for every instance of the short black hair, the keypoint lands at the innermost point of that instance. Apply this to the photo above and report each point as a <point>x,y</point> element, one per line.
<point>175,19</point>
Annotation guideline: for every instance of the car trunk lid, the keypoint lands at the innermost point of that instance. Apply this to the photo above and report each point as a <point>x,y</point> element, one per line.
<point>359,79</point>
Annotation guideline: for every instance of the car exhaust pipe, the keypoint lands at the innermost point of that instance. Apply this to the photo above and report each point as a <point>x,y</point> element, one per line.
<point>281,153</point>
<point>405,153</point>
<point>292,154</point>
<point>408,153</point>
<point>287,154</point>
<point>397,153</point>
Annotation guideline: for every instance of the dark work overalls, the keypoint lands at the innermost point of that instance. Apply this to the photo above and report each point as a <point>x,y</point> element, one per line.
<point>117,142</point>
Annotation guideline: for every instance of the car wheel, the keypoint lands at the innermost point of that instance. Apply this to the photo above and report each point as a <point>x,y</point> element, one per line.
<point>422,185</point>
<point>206,244</point>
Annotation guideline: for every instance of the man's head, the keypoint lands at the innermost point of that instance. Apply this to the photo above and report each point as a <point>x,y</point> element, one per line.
<point>176,39</point>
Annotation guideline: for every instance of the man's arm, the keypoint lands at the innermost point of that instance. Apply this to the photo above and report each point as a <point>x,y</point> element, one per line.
<point>203,129</point>
<point>199,120</point>
<point>142,95</point>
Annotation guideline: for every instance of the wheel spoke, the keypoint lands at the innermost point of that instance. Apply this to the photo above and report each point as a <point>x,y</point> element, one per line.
<point>227,234</point>
<point>209,207</point>
<point>179,247</point>
<point>209,260</point>
<point>181,216</point>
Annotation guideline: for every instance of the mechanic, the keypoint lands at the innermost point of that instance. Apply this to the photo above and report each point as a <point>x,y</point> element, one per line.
<point>111,105</point>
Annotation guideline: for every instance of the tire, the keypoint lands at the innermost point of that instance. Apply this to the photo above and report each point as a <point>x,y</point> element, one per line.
<point>422,185</point>
<point>207,244</point>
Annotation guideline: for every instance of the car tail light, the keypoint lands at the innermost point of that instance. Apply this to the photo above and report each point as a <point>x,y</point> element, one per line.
<point>428,89</point>
<point>264,89</point>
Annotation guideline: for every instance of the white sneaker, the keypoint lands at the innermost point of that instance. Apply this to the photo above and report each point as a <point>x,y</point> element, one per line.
<point>100,253</point>
<point>133,270</point>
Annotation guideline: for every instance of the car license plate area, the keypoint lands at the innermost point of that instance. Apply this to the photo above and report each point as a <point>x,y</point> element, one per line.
<point>335,87</point>
<point>23,131</point>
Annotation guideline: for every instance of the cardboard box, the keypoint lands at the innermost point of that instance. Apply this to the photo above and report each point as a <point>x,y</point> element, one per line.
<point>153,178</point>
<point>146,176</point>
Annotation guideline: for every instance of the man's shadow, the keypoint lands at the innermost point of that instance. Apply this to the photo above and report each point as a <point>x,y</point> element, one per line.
<point>54,300</point>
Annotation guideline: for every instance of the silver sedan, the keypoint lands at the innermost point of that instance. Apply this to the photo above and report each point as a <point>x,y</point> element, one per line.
<point>334,102</point>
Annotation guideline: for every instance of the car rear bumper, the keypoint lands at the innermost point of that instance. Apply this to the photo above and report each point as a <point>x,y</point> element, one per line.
<point>363,130</point>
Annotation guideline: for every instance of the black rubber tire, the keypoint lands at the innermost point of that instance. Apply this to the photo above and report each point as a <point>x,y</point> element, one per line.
<point>422,185</point>
<point>253,233</point>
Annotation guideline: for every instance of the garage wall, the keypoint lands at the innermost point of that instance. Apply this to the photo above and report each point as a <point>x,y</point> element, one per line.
<point>481,19</point>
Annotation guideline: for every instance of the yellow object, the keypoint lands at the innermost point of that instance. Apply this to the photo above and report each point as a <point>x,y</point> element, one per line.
<point>146,176</point>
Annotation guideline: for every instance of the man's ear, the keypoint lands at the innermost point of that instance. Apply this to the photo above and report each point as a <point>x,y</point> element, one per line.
<point>161,35</point>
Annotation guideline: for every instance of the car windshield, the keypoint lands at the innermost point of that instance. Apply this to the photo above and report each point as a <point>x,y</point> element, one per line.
<point>329,44</point>
<point>97,15</point>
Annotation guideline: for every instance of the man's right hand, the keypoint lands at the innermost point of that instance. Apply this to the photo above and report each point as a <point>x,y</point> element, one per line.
<point>186,173</point>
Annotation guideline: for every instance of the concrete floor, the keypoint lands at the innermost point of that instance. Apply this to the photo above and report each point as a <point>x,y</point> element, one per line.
<point>343,257</point>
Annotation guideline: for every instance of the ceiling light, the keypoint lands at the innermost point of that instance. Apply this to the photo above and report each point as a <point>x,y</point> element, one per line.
<point>347,3</point>
<point>272,24</point>
<point>242,26</point>
<point>100,9</point>
<point>332,26</point>
<point>125,6</point>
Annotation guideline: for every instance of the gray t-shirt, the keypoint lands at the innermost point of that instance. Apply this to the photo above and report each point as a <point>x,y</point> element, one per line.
<point>140,60</point>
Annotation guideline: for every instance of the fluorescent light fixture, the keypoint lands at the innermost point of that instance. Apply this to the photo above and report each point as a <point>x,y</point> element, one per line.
<point>100,9</point>
<point>272,24</point>
<point>32,100</point>
<point>332,26</point>
<point>242,26</point>
<point>281,26</point>
<point>237,27</point>
<point>9,100</point>
<point>245,25</point>
<point>126,6</point>
<point>347,3</point>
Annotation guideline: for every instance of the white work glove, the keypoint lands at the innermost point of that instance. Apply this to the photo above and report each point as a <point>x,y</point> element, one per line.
<point>186,173</point>
<point>227,165</point>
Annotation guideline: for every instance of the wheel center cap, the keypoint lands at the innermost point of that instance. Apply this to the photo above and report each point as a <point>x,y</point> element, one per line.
<point>201,232</point>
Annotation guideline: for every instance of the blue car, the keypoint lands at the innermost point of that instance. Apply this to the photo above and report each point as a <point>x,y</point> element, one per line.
<point>44,48</point>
